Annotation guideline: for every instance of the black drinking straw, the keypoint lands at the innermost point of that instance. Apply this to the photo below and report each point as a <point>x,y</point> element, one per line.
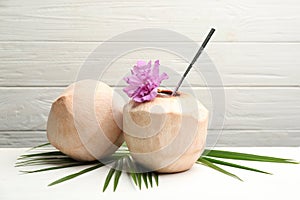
<point>211,32</point>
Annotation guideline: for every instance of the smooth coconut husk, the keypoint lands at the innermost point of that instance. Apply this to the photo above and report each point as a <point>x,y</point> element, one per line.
<point>166,134</point>
<point>82,122</point>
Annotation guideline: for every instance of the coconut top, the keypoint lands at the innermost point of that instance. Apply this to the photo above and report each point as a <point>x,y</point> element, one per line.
<point>181,104</point>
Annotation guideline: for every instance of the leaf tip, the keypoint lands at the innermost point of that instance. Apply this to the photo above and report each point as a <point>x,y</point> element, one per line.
<point>51,184</point>
<point>104,188</point>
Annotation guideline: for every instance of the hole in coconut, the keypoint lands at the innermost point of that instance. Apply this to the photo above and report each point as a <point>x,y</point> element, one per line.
<point>166,93</point>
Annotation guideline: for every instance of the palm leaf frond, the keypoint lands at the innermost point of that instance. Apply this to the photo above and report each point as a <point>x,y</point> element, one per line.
<point>131,170</point>
<point>118,174</point>
<point>39,146</point>
<point>155,177</point>
<point>149,174</point>
<point>124,162</point>
<point>53,168</point>
<point>109,176</point>
<point>71,176</point>
<point>139,180</point>
<point>234,165</point>
<point>215,167</point>
<point>246,156</point>
<point>50,153</point>
<point>145,178</point>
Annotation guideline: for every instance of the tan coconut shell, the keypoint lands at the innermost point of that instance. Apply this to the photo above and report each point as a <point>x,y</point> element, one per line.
<point>167,134</point>
<point>83,123</point>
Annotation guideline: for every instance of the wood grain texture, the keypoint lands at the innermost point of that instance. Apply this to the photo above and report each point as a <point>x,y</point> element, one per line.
<point>246,108</point>
<point>251,138</point>
<point>256,50</point>
<point>233,138</point>
<point>19,139</point>
<point>26,109</point>
<point>93,20</point>
<point>239,64</point>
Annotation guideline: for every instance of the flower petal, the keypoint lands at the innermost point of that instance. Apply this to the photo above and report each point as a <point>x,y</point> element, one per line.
<point>155,71</point>
<point>150,96</point>
<point>162,77</point>
<point>133,80</point>
<point>144,81</point>
<point>130,90</point>
<point>140,63</point>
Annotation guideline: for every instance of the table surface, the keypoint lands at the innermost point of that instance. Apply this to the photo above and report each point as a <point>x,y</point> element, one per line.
<point>200,181</point>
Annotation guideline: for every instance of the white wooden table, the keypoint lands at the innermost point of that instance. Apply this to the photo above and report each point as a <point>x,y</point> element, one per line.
<point>200,182</point>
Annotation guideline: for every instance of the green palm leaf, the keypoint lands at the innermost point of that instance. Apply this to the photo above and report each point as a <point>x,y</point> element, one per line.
<point>71,176</point>
<point>245,156</point>
<point>109,176</point>
<point>131,170</point>
<point>215,167</point>
<point>150,178</point>
<point>53,168</point>
<point>45,160</point>
<point>145,176</point>
<point>155,178</point>
<point>118,173</point>
<point>234,165</point>
<point>139,180</point>
<point>50,162</point>
<point>133,176</point>
<point>60,161</point>
<point>50,153</point>
<point>39,146</point>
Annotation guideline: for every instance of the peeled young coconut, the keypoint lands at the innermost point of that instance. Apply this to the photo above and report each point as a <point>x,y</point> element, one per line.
<point>83,122</point>
<point>167,134</point>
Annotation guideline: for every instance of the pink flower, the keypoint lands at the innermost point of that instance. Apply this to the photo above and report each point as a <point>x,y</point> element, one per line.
<point>144,81</point>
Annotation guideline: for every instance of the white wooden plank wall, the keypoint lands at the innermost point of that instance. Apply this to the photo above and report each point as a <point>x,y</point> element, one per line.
<point>256,49</point>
